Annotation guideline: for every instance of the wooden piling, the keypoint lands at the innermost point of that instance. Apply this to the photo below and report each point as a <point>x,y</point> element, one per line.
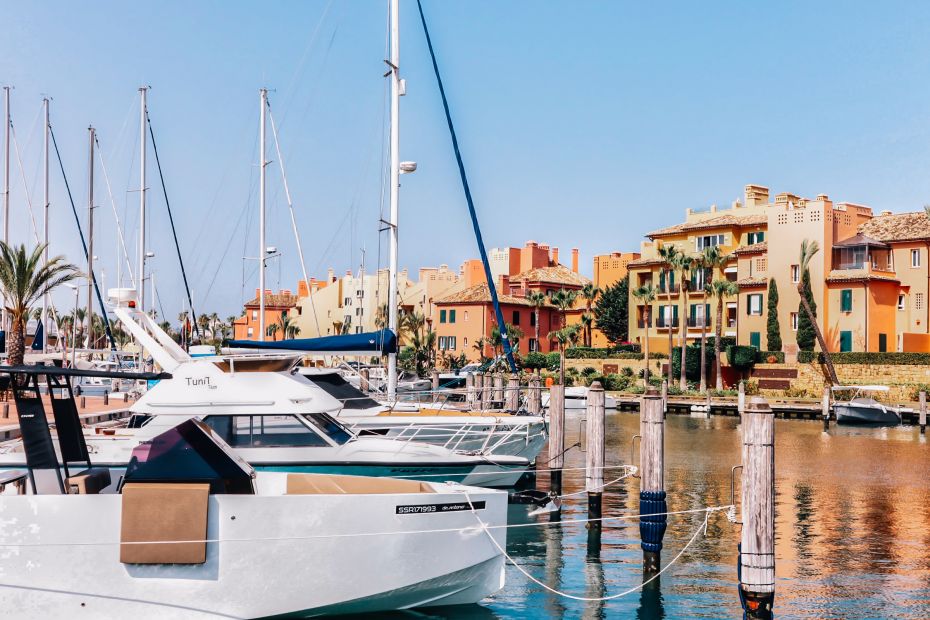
<point>825,408</point>
<point>556,437</point>
<point>498,394</point>
<point>512,397</point>
<point>470,390</point>
<point>125,397</point>
<point>364,382</point>
<point>741,399</point>
<point>652,480</point>
<point>83,402</point>
<point>435,385</point>
<point>6,411</point>
<point>534,396</point>
<point>106,397</point>
<point>664,395</point>
<point>757,548</point>
<point>594,455</point>
<point>923,412</point>
<point>481,390</point>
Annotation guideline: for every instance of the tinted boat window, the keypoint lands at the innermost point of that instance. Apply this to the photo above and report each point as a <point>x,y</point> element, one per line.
<point>337,387</point>
<point>265,431</point>
<point>327,424</point>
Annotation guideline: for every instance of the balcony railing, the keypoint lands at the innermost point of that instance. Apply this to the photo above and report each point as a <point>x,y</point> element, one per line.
<point>669,290</point>
<point>698,322</point>
<point>662,322</point>
<point>643,324</point>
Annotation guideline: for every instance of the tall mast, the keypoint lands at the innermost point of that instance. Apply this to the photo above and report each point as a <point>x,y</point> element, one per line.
<point>90,240</point>
<point>6,185</point>
<point>261,217</point>
<point>395,186</point>
<point>45,224</point>
<point>141,266</point>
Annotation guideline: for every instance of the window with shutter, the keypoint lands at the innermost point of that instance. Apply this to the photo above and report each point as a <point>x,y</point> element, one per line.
<point>846,300</point>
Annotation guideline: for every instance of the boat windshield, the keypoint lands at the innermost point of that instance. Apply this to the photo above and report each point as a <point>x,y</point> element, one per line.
<point>340,389</point>
<point>328,425</point>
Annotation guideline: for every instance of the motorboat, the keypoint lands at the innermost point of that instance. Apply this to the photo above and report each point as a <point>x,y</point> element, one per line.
<point>861,408</point>
<point>451,426</point>
<point>272,417</point>
<point>407,382</point>
<point>576,398</point>
<point>193,531</point>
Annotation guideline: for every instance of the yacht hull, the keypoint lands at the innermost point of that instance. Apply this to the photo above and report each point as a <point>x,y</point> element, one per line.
<point>278,556</point>
<point>851,413</point>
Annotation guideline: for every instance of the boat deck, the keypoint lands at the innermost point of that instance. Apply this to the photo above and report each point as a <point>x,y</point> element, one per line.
<point>93,412</point>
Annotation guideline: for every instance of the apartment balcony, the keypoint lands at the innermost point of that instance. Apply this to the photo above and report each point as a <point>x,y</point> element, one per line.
<point>662,323</point>
<point>643,324</point>
<point>698,322</point>
<point>669,290</point>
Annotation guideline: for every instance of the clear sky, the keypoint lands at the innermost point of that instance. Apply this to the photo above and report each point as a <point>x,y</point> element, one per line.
<point>583,124</point>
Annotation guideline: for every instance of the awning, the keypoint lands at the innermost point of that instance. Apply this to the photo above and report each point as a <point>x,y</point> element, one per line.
<point>381,342</point>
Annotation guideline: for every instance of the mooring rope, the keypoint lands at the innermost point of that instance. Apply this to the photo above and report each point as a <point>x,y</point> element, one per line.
<point>701,528</point>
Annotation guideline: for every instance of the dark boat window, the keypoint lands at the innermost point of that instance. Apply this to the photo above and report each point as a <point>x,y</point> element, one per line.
<point>340,389</point>
<point>327,424</point>
<point>190,452</point>
<point>265,431</point>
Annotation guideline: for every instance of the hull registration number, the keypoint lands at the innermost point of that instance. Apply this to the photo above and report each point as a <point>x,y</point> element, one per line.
<point>428,508</point>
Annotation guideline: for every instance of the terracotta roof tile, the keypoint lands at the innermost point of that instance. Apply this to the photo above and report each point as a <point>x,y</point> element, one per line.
<point>559,274</point>
<point>645,262</point>
<point>859,275</point>
<point>714,222</point>
<point>480,293</point>
<point>755,248</point>
<point>898,227</point>
<point>752,282</point>
<point>277,300</point>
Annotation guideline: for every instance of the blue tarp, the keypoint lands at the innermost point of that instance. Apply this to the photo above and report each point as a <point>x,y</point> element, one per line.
<point>380,342</point>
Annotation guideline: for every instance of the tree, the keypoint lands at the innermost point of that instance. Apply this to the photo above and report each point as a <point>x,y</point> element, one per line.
<point>589,293</point>
<point>288,326</point>
<point>809,307</point>
<point>710,259</point>
<point>514,334</point>
<point>24,279</point>
<point>538,300</point>
<point>669,255</point>
<point>272,330</point>
<point>773,331</point>
<point>564,300</point>
<point>611,312</point>
<point>683,265</point>
<point>646,294</point>
<point>479,345</point>
<point>565,337</point>
<point>720,289</point>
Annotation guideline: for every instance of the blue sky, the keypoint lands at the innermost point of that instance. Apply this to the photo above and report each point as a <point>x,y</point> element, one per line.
<point>582,124</point>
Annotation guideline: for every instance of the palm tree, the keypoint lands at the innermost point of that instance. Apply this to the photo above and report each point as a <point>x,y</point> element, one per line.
<point>424,351</point>
<point>182,319</point>
<point>514,334</point>
<point>479,345</point>
<point>565,337</point>
<point>288,326</point>
<point>412,323</point>
<point>24,279</point>
<point>589,292</point>
<point>684,265</point>
<point>709,260</point>
<point>720,289</point>
<point>381,316</point>
<point>564,300</point>
<point>808,250</point>
<point>646,294</point>
<point>272,330</point>
<point>669,255</point>
<point>538,299</point>
<point>203,321</point>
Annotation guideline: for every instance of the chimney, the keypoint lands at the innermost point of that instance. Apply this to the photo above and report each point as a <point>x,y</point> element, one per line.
<point>504,286</point>
<point>756,195</point>
<point>885,212</point>
<point>575,260</point>
<point>330,275</point>
<point>257,292</point>
<point>555,256</point>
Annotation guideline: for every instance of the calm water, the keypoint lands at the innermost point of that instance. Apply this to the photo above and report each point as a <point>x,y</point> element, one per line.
<point>852,524</point>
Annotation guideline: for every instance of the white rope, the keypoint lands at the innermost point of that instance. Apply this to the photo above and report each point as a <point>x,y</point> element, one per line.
<point>471,529</point>
<point>484,527</point>
<point>630,471</point>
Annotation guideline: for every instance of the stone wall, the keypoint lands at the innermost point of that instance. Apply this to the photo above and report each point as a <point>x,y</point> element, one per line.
<point>612,365</point>
<point>811,379</point>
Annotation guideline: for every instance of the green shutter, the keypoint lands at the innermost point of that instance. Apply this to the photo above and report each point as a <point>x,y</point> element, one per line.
<point>692,313</point>
<point>845,341</point>
<point>706,314</point>
<point>442,316</point>
<point>755,340</point>
<point>846,300</point>
<point>452,316</point>
<point>882,343</point>
<point>662,281</point>
<point>674,314</point>
<point>671,281</point>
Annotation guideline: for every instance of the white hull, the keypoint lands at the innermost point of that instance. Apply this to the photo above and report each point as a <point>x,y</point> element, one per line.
<point>302,555</point>
<point>575,399</point>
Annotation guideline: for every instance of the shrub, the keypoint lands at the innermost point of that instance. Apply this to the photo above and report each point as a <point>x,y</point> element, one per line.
<point>535,361</point>
<point>770,357</point>
<point>892,358</point>
<point>915,394</point>
<point>611,383</point>
<point>693,371</point>
<point>752,388</point>
<point>626,371</point>
<point>742,357</point>
<point>552,361</point>
<point>592,353</point>
<point>725,342</point>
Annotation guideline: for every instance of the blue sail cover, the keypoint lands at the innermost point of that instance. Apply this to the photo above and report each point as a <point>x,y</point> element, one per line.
<point>380,342</point>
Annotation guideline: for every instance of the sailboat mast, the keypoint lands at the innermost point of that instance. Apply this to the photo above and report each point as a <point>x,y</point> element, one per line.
<point>90,240</point>
<point>261,217</point>
<point>143,91</point>
<point>395,191</point>
<point>6,185</point>
<point>45,225</point>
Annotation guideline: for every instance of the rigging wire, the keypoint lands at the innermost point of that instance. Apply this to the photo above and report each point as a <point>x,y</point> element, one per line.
<point>77,220</point>
<point>174,232</point>
<point>119,228</point>
<point>502,326</point>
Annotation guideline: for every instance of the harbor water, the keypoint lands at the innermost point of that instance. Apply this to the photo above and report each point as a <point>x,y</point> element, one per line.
<point>852,529</point>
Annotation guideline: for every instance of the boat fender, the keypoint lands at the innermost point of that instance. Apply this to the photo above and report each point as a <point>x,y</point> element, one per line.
<point>652,526</point>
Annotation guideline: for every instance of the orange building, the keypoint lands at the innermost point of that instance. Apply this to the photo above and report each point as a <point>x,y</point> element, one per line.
<point>611,268</point>
<point>277,305</point>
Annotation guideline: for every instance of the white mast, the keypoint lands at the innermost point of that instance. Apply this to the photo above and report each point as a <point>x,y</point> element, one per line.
<point>90,241</point>
<point>45,297</point>
<point>141,268</point>
<point>6,184</point>
<point>395,186</point>
<point>261,218</point>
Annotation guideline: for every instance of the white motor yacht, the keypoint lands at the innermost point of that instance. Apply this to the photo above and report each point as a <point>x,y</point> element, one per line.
<point>193,531</point>
<point>861,408</point>
<point>576,398</point>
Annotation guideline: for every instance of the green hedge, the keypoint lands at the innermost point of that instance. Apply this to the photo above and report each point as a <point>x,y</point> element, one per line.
<point>860,357</point>
<point>762,357</point>
<point>693,361</point>
<point>742,357</point>
<point>589,353</point>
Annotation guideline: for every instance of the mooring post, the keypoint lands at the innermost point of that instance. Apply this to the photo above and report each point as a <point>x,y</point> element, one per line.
<point>364,383</point>
<point>83,402</point>
<point>6,410</point>
<point>664,396</point>
<point>125,397</point>
<point>741,399</point>
<point>534,396</point>
<point>435,385</point>
<point>652,480</point>
<point>922,420</point>
<point>470,390</point>
<point>825,408</point>
<point>594,455</point>
<point>106,397</point>
<point>556,437</point>
<point>498,396</point>
<point>513,393</point>
<point>479,391</point>
<point>757,542</point>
